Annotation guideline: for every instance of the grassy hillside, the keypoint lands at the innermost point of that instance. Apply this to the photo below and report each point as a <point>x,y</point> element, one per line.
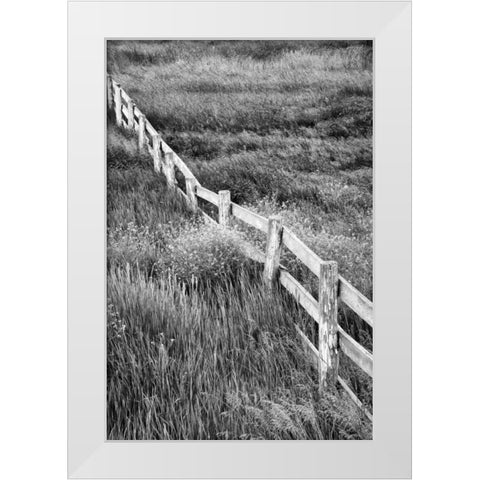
<point>196,348</point>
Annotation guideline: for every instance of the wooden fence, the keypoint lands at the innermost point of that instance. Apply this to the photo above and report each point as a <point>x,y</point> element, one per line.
<point>332,287</point>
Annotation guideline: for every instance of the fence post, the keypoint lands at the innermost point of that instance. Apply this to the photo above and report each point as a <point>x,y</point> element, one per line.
<point>141,131</point>
<point>109,92</point>
<point>118,105</point>
<point>274,247</point>
<point>328,323</point>
<point>191,187</point>
<point>130,107</point>
<point>224,207</point>
<point>169,169</point>
<point>156,152</point>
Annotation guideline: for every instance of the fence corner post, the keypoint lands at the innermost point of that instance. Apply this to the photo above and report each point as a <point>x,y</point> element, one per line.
<point>169,169</point>
<point>224,203</point>
<point>118,105</point>
<point>273,250</point>
<point>191,188</point>
<point>328,324</point>
<point>141,131</point>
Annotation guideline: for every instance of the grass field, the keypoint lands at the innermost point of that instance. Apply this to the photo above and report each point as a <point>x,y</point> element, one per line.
<point>197,349</point>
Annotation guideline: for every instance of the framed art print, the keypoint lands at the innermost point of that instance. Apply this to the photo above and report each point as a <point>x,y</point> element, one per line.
<point>239,239</point>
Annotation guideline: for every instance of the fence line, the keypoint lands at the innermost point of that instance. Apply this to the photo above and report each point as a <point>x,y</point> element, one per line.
<point>332,286</point>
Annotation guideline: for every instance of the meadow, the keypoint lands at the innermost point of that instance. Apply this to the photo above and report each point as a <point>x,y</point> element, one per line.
<point>197,348</point>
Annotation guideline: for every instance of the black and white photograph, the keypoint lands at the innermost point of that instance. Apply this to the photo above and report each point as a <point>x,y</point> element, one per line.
<point>239,184</point>
<point>239,240</point>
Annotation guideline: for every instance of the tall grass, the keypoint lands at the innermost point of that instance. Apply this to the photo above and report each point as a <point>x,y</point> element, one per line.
<point>197,349</point>
<point>221,362</point>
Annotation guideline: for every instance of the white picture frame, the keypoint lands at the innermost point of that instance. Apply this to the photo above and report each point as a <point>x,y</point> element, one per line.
<point>388,455</point>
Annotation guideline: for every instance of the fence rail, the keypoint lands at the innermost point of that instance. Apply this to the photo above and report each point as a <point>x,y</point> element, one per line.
<point>207,195</point>
<point>250,218</point>
<point>332,287</point>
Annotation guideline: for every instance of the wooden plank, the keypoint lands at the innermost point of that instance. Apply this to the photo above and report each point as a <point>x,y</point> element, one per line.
<point>141,132</point>
<point>124,95</point>
<point>125,113</point>
<point>156,152</point>
<point>302,296</point>
<point>360,304</point>
<point>130,117</point>
<point>148,139</point>
<point>117,101</point>
<point>150,130</point>
<point>353,350</point>
<point>207,195</point>
<point>273,250</point>
<point>169,169</point>
<point>179,163</point>
<point>183,168</point>
<point>137,112</point>
<point>314,355</point>
<point>328,323</point>
<point>354,398</point>
<point>347,292</point>
<point>109,92</point>
<point>301,251</point>
<point>191,188</point>
<point>251,218</point>
<point>313,352</point>
<point>224,203</point>
<point>165,147</point>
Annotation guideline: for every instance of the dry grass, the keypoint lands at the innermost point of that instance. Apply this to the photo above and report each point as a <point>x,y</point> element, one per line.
<point>197,349</point>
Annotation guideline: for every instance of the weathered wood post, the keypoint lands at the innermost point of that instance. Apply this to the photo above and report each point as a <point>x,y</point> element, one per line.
<point>224,203</point>
<point>191,188</point>
<point>328,323</point>
<point>156,142</point>
<point>273,250</point>
<point>109,92</point>
<point>141,131</point>
<point>169,169</point>
<point>130,120</point>
<point>118,105</point>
